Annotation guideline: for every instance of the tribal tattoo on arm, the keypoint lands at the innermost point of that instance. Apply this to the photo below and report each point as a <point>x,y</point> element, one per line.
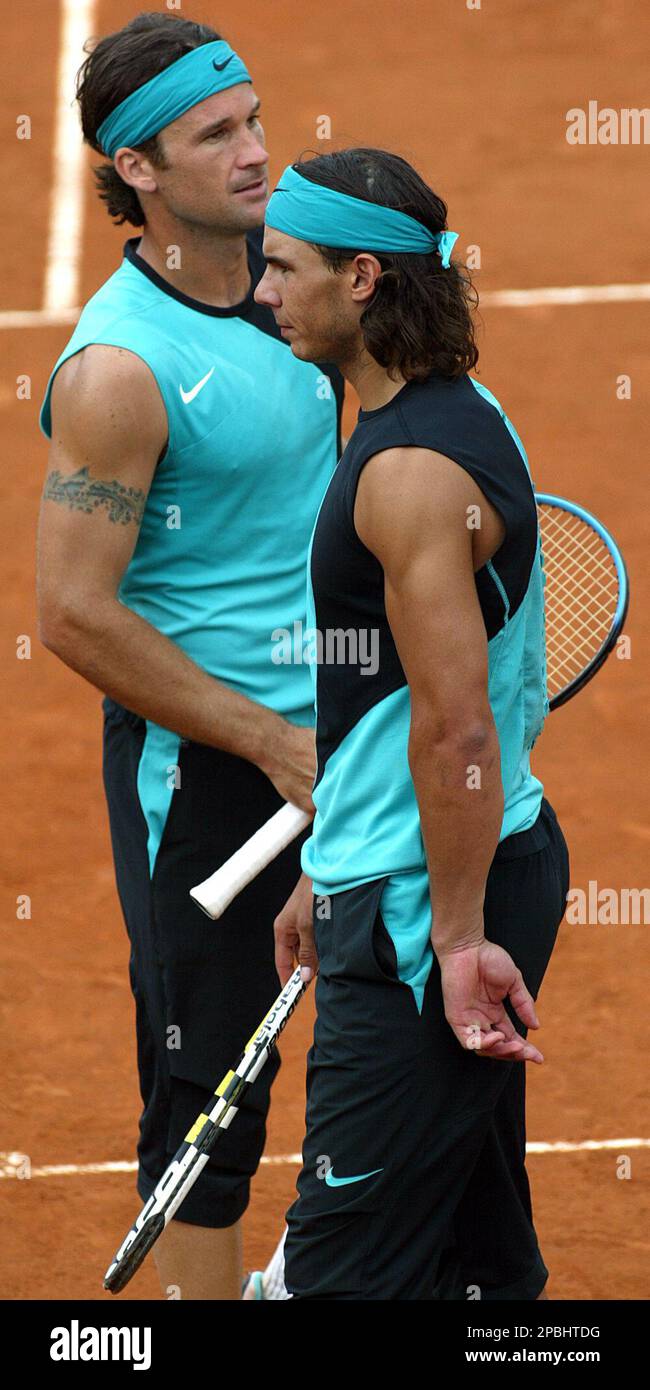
<point>81,493</point>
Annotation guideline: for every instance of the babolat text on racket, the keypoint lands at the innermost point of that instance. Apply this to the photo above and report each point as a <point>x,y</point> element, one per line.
<point>198,1144</point>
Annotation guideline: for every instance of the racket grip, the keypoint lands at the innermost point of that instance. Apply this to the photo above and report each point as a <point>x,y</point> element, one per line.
<point>216,893</point>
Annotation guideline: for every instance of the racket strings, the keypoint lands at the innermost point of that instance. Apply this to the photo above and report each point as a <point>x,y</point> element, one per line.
<point>578,629</point>
<point>597,583</point>
<point>574,630</point>
<point>580,598</point>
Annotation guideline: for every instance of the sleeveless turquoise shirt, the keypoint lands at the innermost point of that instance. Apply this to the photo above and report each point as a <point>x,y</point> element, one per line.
<point>367,823</point>
<point>219,565</point>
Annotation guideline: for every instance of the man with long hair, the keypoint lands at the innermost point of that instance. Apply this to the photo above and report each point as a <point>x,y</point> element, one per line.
<point>439,869</point>
<point>173,542</point>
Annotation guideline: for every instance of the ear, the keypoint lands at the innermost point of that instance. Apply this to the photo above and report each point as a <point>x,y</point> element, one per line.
<point>136,170</point>
<point>366,271</point>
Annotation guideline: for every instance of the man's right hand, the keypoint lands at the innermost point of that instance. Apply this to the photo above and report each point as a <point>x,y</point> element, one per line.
<point>294,934</point>
<point>290,762</point>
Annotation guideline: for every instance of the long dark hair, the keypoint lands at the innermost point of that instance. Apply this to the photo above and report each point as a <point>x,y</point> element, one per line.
<point>419,319</point>
<point>115,67</point>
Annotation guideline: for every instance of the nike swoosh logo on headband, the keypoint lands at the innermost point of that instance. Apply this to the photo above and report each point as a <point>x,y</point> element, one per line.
<point>220,66</point>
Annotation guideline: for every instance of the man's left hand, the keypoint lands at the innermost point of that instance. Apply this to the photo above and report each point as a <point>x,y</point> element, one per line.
<point>475,982</point>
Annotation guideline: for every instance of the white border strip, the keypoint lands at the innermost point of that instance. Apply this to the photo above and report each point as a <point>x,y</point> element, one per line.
<point>65,236</point>
<point>10,1164</point>
<point>38,318</point>
<point>53,316</point>
<point>586,1146</point>
<point>565,294</point>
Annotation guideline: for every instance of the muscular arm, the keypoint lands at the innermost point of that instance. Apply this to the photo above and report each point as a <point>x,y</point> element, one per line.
<point>109,430</point>
<point>411,513</point>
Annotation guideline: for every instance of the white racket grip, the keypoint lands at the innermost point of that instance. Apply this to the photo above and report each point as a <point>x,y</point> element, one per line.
<point>216,892</point>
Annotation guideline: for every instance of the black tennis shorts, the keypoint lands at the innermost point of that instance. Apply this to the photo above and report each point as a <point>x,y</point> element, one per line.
<point>200,987</point>
<point>414,1182</point>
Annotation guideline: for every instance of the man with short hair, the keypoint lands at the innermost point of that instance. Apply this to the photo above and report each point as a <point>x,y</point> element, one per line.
<point>190,450</point>
<point>440,870</point>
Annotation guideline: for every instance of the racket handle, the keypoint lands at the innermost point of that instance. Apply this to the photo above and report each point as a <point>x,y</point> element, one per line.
<point>216,892</point>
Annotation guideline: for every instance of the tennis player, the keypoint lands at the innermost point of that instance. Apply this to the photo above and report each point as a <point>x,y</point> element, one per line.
<point>439,868</point>
<point>173,544</point>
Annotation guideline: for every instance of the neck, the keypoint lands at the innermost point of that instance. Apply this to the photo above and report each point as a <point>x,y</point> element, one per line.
<point>202,262</point>
<point>371,382</point>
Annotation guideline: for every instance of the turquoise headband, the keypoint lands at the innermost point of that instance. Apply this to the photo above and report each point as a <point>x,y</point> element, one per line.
<point>210,68</point>
<point>310,212</point>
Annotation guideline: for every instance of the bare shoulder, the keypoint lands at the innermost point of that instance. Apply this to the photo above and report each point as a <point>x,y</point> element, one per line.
<point>411,500</point>
<point>412,484</point>
<point>109,431</point>
<point>108,395</point>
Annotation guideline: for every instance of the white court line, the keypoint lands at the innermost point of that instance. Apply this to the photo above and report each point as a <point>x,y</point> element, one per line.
<point>10,1164</point>
<point>585,1146</point>
<point>566,294</point>
<point>65,236</point>
<point>53,317</point>
<point>38,318</point>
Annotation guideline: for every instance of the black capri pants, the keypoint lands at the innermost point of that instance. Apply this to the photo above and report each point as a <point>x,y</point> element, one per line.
<point>414,1182</point>
<point>201,988</point>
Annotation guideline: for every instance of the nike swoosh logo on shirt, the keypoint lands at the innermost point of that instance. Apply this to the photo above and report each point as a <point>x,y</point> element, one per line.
<point>220,66</point>
<point>188,396</point>
<point>342,1182</point>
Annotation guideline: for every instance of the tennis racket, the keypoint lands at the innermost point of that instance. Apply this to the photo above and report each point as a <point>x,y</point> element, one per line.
<point>586,596</point>
<point>218,891</point>
<point>199,1142</point>
<point>585,599</point>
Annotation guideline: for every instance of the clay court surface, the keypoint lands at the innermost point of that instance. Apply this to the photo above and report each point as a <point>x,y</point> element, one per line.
<point>476,99</point>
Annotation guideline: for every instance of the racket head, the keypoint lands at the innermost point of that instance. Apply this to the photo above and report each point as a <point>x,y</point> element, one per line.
<point>586,594</point>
